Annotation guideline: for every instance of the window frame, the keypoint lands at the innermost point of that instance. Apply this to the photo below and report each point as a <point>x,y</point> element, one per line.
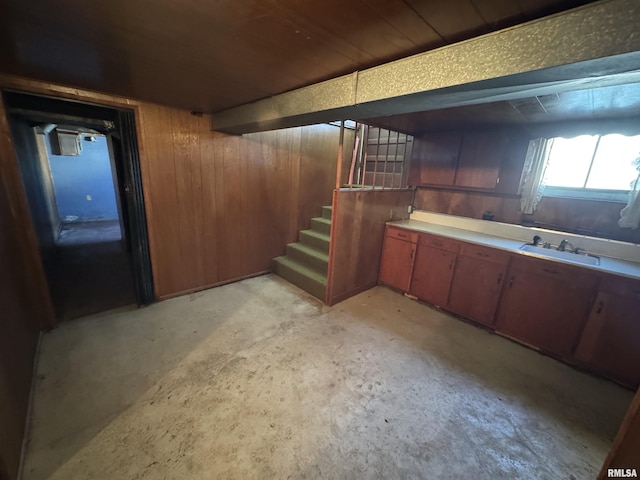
<point>598,194</point>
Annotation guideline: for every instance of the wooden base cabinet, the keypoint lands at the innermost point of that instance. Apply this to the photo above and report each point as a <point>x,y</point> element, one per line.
<point>585,317</point>
<point>433,268</point>
<point>545,304</point>
<point>397,259</point>
<point>610,343</point>
<point>433,271</point>
<point>477,283</point>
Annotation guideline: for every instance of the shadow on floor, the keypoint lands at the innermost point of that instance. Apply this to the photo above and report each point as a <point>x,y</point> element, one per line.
<point>92,272</point>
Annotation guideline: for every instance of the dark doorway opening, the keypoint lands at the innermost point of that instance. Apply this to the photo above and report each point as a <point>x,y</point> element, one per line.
<point>81,172</point>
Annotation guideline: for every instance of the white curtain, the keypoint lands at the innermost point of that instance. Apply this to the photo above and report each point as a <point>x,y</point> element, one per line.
<point>534,168</point>
<point>630,215</point>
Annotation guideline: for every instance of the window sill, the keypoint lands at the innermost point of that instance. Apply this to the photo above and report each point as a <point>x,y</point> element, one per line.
<point>620,196</point>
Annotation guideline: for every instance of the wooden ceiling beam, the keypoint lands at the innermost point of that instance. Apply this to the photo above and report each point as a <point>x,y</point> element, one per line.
<point>593,45</point>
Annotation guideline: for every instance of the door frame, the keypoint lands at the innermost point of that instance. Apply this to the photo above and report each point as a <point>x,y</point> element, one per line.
<point>129,191</point>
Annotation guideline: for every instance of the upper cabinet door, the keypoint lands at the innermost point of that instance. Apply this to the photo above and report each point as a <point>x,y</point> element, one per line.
<point>481,156</point>
<point>434,159</point>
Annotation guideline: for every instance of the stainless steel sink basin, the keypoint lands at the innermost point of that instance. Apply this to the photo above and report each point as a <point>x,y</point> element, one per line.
<point>583,258</point>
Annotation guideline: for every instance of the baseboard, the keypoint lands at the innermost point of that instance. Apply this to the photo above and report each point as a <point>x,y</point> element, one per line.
<point>343,296</point>
<point>27,423</point>
<point>212,285</point>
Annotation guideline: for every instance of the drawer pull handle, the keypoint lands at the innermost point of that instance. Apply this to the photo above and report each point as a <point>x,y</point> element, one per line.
<point>484,255</point>
<point>600,307</point>
<point>552,272</point>
<point>511,282</point>
<point>437,244</point>
<point>402,235</point>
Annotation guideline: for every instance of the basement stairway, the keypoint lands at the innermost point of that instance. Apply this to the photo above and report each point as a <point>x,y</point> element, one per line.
<point>306,262</point>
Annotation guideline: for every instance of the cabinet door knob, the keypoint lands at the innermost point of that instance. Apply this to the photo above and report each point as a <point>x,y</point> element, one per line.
<point>511,282</point>
<point>600,307</point>
<point>499,279</point>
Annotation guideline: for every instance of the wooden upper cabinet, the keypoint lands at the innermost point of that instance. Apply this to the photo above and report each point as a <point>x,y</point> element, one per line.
<point>434,159</point>
<point>481,156</point>
<point>477,282</point>
<point>397,259</point>
<point>545,304</point>
<point>488,160</point>
<point>610,343</point>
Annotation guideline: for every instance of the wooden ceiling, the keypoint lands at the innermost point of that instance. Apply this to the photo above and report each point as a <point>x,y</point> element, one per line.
<point>212,55</point>
<point>612,102</point>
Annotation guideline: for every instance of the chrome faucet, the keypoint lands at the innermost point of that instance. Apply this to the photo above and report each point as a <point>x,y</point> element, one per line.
<point>563,246</point>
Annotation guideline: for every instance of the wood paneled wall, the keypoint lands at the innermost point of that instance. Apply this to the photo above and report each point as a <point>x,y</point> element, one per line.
<point>220,207</point>
<point>22,315</point>
<point>357,233</point>
<point>468,204</point>
<point>586,217</point>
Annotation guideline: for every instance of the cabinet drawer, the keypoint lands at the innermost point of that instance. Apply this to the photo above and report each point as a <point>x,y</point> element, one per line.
<point>572,277</point>
<point>625,287</point>
<point>442,243</point>
<point>402,234</point>
<point>485,253</point>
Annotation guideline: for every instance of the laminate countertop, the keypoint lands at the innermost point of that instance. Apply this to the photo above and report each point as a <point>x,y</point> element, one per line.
<point>614,266</point>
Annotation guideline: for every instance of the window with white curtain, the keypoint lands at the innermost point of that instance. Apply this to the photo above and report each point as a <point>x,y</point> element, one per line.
<point>592,166</point>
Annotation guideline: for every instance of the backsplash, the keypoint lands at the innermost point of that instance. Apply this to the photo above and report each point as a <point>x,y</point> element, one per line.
<point>597,246</point>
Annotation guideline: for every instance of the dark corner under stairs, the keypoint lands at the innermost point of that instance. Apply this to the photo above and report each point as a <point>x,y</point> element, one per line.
<point>306,262</point>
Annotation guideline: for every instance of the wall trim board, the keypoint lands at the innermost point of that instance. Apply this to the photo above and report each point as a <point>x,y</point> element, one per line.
<point>27,423</point>
<point>352,293</point>
<point>213,285</point>
<point>469,190</point>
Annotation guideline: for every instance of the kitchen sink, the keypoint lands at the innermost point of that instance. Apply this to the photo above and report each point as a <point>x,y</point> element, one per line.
<point>583,258</point>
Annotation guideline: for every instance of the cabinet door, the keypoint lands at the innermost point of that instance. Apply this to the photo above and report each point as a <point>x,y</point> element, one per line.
<point>475,289</point>
<point>545,304</point>
<point>432,274</point>
<point>481,155</point>
<point>434,159</point>
<point>610,343</point>
<point>397,263</point>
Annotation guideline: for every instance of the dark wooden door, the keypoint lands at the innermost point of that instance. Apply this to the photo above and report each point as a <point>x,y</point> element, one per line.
<point>610,342</point>
<point>545,304</point>
<point>397,263</point>
<point>475,289</point>
<point>432,274</point>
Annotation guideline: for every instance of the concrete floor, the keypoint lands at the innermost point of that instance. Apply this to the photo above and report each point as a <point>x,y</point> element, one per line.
<point>258,380</point>
<point>92,272</point>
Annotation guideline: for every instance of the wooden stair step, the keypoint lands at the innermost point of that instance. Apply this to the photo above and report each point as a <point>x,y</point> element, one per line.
<point>309,256</point>
<point>319,241</point>
<point>302,276</point>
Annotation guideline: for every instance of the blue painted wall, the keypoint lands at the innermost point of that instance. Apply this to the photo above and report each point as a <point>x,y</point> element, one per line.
<point>84,184</point>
